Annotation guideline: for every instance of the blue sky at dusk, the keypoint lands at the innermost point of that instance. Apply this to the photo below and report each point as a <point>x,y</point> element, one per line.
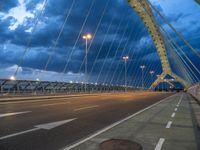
<point>116,28</point>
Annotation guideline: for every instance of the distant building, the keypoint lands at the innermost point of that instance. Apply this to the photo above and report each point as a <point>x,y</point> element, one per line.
<point>198,1</point>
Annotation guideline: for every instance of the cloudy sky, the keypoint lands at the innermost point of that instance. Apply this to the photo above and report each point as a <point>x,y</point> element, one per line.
<point>43,38</point>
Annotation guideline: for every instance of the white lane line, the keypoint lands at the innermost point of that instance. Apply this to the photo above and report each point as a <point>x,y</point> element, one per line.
<point>179,102</point>
<point>45,105</point>
<point>169,124</point>
<point>69,147</point>
<point>83,108</point>
<point>159,144</point>
<point>173,115</point>
<point>46,126</point>
<point>175,109</point>
<point>13,113</point>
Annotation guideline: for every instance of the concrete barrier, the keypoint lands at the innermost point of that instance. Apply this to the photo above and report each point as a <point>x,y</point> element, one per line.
<point>195,91</point>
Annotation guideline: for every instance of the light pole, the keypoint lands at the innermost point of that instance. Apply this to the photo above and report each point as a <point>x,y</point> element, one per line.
<point>158,85</point>
<point>86,37</point>
<point>152,73</point>
<point>125,58</point>
<point>142,67</point>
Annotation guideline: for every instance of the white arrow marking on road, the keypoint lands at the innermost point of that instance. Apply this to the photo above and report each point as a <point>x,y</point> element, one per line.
<point>13,113</point>
<point>46,126</point>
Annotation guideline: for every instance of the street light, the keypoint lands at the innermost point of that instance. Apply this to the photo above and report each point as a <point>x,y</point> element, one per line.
<point>125,58</point>
<point>142,67</point>
<point>152,73</point>
<point>13,78</point>
<point>86,37</point>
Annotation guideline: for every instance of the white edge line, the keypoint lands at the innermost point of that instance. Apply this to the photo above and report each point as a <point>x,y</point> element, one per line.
<point>113,125</point>
<point>160,143</point>
<point>173,115</point>
<point>169,123</point>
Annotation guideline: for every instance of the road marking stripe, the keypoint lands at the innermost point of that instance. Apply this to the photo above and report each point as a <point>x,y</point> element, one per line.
<point>46,126</point>
<point>83,108</point>
<point>173,115</point>
<point>19,133</point>
<point>69,147</point>
<point>179,102</point>
<point>175,109</point>
<point>13,113</point>
<point>159,144</point>
<point>45,105</point>
<point>169,124</point>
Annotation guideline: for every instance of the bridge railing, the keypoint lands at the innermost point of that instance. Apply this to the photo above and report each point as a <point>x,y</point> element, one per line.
<point>28,87</point>
<point>195,91</point>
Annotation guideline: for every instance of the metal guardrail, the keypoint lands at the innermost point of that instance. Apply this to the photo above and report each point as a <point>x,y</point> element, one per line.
<point>195,91</point>
<point>28,87</point>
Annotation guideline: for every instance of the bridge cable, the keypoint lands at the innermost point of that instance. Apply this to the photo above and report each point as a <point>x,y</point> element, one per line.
<point>78,37</point>
<point>27,48</point>
<point>94,35</point>
<point>184,40</point>
<point>59,35</point>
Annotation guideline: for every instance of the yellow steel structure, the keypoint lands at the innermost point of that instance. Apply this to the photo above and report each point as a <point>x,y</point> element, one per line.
<point>145,13</point>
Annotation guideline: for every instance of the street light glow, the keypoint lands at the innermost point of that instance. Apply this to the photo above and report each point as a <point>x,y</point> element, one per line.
<point>12,78</point>
<point>142,66</point>
<point>87,36</point>
<point>152,72</point>
<point>125,58</point>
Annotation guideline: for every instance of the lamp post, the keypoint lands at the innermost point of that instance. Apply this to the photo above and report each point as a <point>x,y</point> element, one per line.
<point>152,73</point>
<point>86,37</point>
<point>125,58</point>
<point>142,67</point>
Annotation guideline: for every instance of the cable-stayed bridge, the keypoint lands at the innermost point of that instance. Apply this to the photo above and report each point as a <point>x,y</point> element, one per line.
<point>94,85</point>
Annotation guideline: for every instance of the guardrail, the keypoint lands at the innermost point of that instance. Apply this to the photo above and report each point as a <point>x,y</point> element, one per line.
<point>27,87</point>
<point>195,91</point>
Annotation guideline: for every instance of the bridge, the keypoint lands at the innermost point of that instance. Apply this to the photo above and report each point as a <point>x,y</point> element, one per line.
<point>116,75</point>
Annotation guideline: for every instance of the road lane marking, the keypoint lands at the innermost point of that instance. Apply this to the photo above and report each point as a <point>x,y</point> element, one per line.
<point>173,115</point>
<point>159,144</point>
<point>79,142</point>
<point>45,105</point>
<point>175,109</point>
<point>13,113</point>
<point>169,124</point>
<point>46,126</point>
<point>179,102</point>
<point>89,107</point>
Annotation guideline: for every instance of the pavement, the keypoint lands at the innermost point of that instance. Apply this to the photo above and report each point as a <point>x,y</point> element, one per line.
<point>171,124</point>
<point>52,123</point>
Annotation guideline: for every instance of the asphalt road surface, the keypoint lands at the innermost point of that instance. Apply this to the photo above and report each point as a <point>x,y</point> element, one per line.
<point>51,124</point>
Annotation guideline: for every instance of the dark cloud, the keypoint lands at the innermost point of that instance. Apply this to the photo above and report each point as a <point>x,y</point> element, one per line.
<point>136,41</point>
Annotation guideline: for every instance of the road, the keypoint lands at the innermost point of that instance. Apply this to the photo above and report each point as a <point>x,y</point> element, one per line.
<point>50,124</point>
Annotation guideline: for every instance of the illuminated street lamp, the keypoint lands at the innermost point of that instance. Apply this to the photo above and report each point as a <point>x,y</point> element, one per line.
<point>86,37</point>
<point>125,58</point>
<point>142,67</point>
<point>13,78</point>
<point>152,73</point>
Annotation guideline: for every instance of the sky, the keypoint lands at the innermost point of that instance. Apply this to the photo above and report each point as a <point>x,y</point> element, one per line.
<point>43,39</point>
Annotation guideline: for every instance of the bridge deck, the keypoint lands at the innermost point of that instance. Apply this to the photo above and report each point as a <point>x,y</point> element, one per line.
<point>171,124</point>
